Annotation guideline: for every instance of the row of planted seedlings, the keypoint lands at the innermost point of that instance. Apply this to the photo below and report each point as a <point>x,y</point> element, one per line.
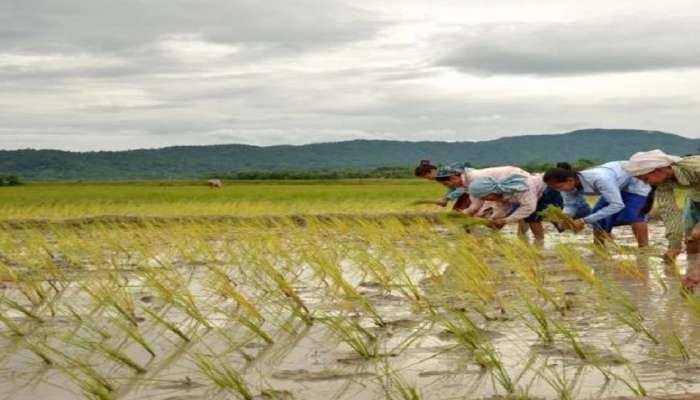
<point>118,309</point>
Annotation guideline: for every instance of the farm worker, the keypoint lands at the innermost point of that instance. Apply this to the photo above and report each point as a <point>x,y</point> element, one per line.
<point>581,203</point>
<point>623,199</point>
<point>215,183</point>
<point>458,194</point>
<point>449,179</point>
<point>521,198</point>
<point>667,172</point>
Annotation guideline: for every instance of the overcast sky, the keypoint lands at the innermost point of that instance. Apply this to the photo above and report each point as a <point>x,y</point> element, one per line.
<point>106,74</point>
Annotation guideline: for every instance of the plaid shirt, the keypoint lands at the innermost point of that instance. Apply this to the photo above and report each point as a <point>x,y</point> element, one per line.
<point>687,174</point>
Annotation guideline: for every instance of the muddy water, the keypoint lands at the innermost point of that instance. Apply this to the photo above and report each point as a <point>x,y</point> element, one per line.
<point>310,363</point>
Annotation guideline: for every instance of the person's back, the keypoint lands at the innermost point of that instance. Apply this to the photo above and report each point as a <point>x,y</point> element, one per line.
<point>494,172</point>
<point>612,171</point>
<point>687,174</point>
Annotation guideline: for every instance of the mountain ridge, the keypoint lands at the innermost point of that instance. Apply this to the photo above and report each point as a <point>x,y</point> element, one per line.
<point>181,162</point>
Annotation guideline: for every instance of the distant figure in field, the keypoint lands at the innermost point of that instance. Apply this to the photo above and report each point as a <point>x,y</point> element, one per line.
<point>215,183</point>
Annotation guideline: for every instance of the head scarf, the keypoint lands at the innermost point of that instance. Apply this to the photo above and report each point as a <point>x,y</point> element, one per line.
<point>485,185</point>
<point>450,170</point>
<point>647,161</point>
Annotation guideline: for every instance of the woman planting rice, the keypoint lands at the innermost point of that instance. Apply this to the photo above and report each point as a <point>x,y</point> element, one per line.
<point>623,199</point>
<point>459,195</point>
<point>666,172</point>
<point>453,179</point>
<point>520,198</point>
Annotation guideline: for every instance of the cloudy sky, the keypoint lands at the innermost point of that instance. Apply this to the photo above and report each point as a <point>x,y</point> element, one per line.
<point>105,74</point>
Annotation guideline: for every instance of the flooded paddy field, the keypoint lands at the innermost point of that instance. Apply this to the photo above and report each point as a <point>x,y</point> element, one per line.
<point>387,307</point>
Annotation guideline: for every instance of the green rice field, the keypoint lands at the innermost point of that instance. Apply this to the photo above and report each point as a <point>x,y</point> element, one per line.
<point>165,199</point>
<point>324,290</point>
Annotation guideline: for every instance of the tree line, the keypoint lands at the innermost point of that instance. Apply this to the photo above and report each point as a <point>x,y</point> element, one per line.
<point>375,173</point>
<point>9,180</point>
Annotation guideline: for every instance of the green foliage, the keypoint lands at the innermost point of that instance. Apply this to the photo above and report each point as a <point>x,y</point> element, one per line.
<point>301,174</point>
<point>9,180</point>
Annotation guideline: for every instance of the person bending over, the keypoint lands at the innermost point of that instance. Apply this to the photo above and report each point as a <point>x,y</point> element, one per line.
<point>622,201</point>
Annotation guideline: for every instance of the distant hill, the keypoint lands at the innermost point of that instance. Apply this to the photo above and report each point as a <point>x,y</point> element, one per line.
<point>195,161</point>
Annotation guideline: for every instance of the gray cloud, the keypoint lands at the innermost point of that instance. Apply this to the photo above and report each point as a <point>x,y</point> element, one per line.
<point>578,48</point>
<point>114,26</point>
<point>87,75</point>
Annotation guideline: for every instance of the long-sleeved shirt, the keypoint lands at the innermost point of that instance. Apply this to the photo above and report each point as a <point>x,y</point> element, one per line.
<point>527,200</point>
<point>454,193</point>
<point>495,172</point>
<point>607,180</point>
<point>687,175</point>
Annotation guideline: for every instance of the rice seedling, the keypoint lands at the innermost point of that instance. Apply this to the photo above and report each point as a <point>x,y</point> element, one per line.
<point>119,357</point>
<point>557,216</point>
<point>676,343</point>
<point>253,327</point>
<point>93,383</point>
<point>169,284</point>
<point>542,328</point>
<point>350,332</point>
<point>573,338</point>
<point>488,357</point>
<point>18,307</point>
<point>330,269</point>
<point>464,329</point>
<point>94,390</point>
<point>564,387</point>
<point>523,259</point>
<point>472,273</point>
<point>573,260</point>
<point>632,383</point>
<point>167,324</point>
<point>112,294</point>
<point>223,376</point>
<point>469,220</point>
<point>395,386</point>
<point>40,351</point>
<point>134,334</point>
<point>11,325</point>
<point>227,288</point>
<point>635,321</point>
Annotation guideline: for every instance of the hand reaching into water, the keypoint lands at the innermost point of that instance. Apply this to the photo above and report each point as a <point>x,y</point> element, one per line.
<point>498,223</point>
<point>695,234</point>
<point>578,225</point>
<point>575,226</point>
<point>691,279</point>
<point>671,255</point>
